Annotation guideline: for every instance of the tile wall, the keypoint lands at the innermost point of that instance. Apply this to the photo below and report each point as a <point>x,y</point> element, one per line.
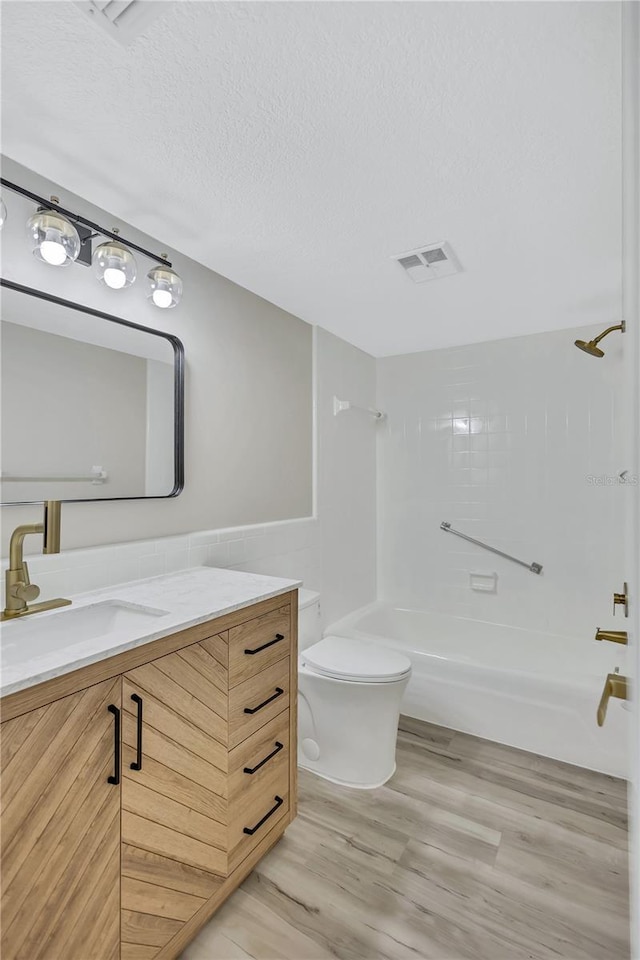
<point>517,442</point>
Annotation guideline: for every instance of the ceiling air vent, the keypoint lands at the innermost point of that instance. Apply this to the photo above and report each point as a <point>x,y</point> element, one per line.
<point>124,20</point>
<point>429,263</point>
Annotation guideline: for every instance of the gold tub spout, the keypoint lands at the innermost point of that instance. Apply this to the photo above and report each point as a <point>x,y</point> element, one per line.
<point>614,686</point>
<point>615,636</point>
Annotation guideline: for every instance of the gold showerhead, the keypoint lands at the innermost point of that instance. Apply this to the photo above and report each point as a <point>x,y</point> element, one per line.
<point>591,346</point>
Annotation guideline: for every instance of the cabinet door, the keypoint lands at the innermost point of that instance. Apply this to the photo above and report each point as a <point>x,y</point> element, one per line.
<point>60,827</point>
<point>174,807</point>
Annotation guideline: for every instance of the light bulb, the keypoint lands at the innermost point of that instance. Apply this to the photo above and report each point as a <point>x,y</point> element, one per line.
<point>53,252</point>
<point>3,212</point>
<point>161,298</point>
<point>114,278</point>
<point>164,287</point>
<point>114,265</point>
<point>54,239</point>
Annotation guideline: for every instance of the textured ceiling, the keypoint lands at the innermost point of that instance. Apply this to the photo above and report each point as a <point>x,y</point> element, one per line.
<point>294,147</point>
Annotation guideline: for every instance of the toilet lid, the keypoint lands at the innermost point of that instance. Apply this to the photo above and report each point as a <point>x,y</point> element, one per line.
<point>344,658</point>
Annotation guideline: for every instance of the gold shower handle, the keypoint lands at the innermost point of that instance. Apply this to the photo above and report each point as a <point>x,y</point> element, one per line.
<point>614,686</point>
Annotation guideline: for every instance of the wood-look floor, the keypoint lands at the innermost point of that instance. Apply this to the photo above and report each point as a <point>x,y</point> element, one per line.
<point>472,850</point>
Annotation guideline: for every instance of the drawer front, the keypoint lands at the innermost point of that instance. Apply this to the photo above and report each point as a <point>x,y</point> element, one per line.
<point>256,814</point>
<point>258,700</point>
<point>253,762</point>
<point>258,644</point>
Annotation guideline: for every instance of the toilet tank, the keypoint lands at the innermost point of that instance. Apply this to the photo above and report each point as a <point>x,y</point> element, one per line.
<point>309,622</point>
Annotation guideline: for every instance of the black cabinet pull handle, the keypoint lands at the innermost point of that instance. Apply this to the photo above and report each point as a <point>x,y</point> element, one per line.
<point>278,693</point>
<point>116,744</point>
<point>137,763</point>
<point>252,770</point>
<point>279,637</point>
<point>251,830</point>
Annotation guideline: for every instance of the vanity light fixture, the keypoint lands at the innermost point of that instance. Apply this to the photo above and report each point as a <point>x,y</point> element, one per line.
<point>114,264</point>
<point>59,236</point>
<point>54,239</point>
<point>164,287</point>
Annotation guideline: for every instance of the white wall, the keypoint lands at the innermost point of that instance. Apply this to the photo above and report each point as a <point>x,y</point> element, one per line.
<point>500,439</point>
<point>334,553</point>
<point>248,389</point>
<point>346,476</point>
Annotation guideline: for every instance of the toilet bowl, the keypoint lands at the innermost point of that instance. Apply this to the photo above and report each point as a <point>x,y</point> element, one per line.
<point>349,695</point>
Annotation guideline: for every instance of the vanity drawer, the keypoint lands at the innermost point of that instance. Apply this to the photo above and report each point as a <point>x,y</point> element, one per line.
<point>258,700</point>
<point>258,644</point>
<point>255,814</point>
<point>254,761</point>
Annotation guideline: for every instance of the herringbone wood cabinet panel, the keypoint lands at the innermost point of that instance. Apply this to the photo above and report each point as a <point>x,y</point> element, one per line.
<point>60,830</point>
<point>174,809</point>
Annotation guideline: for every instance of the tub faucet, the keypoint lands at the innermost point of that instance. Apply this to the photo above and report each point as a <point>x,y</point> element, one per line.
<point>19,589</point>
<point>615,636</point>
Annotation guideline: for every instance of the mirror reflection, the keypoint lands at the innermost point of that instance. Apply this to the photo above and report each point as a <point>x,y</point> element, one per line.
<point>88,405</point>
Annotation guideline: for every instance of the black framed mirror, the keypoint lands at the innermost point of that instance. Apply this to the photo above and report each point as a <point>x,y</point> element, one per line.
<point>92,404</point>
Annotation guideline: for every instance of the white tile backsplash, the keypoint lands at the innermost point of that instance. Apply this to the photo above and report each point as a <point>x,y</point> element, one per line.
<point>289,549</point>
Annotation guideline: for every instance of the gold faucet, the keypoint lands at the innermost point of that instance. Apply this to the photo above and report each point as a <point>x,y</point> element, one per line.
<point>20,591</point>
<point>614,686</point>
<point>615,636</point>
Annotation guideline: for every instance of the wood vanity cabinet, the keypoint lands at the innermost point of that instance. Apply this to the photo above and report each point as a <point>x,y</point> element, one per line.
<point>60,829</point>
<point>138,792</point>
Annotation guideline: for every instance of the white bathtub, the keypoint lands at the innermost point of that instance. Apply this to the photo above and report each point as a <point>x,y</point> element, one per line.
<point>532,690</point>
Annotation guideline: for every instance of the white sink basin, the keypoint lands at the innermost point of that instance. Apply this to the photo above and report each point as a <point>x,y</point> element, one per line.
<point>42,633</point>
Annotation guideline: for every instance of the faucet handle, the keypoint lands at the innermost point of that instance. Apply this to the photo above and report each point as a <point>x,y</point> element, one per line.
<point>25,591</point>
<point>614,686</point>
<point>622,600</point>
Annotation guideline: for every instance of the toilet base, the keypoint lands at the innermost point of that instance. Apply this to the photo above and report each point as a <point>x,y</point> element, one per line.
<point>347,730</point>
<point>346,783</point>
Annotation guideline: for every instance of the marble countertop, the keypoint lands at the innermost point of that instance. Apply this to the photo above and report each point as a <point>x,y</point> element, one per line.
<point>30,654</point>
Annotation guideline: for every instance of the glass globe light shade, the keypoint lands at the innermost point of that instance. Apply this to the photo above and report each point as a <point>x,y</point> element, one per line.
<point>53,238</point>
<point>114,265</point>
<point>164,287</point>
<point>3,212</point>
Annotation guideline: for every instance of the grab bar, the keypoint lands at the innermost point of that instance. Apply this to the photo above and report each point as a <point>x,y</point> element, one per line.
<point>533,567</point>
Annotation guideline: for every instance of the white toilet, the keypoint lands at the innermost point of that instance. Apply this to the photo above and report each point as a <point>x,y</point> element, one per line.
<point>349,703</point>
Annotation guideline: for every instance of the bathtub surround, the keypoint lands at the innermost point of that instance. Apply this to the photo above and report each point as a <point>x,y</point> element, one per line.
<point>508,441</point>
<point>248,401</point>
